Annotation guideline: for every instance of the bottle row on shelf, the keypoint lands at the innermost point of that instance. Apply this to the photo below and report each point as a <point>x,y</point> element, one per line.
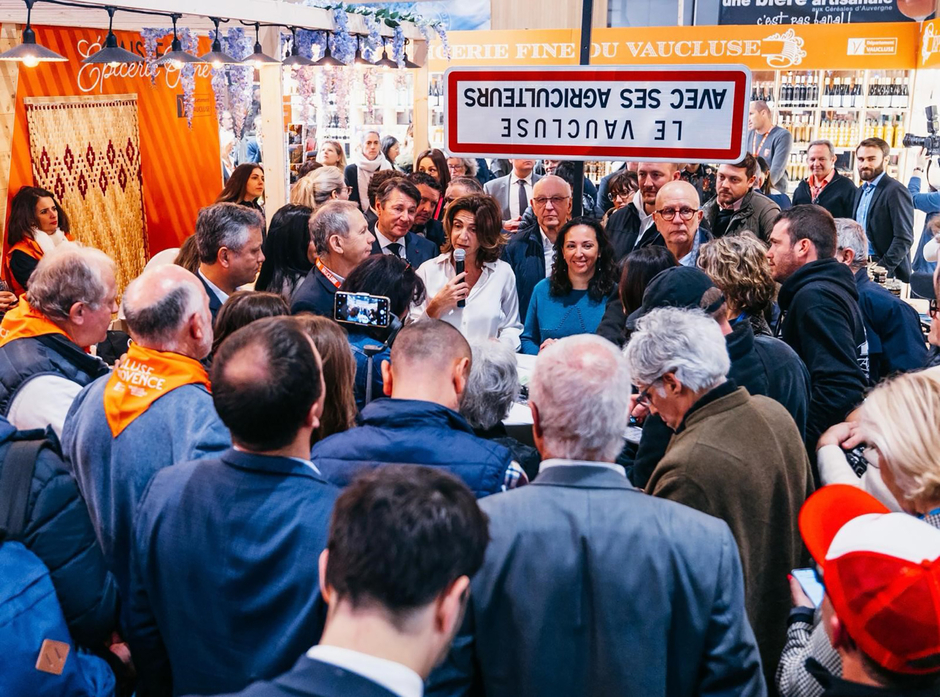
<point>844,131</point>
<point>837,92</point>
<point>800,91</point>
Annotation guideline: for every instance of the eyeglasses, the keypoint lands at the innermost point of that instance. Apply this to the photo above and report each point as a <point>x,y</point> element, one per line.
<point>556,201</point>
<point>344,190</point>
<point>643,399</point>
<point>613,196</point>
<point>670,213</point>
<point>456,168</point>
<point>933,308</point>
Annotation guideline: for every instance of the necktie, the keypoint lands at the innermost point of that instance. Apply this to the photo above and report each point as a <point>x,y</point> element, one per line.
<point>523,199</point>
<point>396,249</point>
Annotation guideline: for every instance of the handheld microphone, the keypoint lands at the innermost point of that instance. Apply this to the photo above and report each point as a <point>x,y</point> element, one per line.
<point>459,256</point>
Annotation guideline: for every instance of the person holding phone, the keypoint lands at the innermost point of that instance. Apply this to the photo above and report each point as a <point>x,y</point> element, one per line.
<point>898,422</point>
<point>487,285</point>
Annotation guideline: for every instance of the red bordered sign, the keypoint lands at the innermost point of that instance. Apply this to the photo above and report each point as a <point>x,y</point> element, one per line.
<point>599,113</point>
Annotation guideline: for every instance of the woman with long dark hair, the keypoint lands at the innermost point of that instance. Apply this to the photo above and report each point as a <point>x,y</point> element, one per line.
<point>288,254</point>
<point>245,187</point>
<point>391,148</point>
<point>434,162</point>
<point>572,299</point>
<point>37,225</point>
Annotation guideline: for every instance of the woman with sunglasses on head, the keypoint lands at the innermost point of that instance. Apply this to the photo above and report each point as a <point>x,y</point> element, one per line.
<point>572,299</point>
<point>487,286</point>
<point>318,187</point>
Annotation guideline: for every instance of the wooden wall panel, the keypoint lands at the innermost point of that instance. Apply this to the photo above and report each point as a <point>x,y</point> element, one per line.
<point>543,14</point>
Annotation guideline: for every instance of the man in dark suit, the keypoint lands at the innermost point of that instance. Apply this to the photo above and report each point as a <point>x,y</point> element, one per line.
<point>825,186</point>
<point>228,239</point>
<point>431,193</point>
<point>396,205</point>
<point>221,587</point>
<point>342,238</point>
<point>513,191</point>
<point>404,543</point>
<point>673,624</point>
<point>885,209</point>
<point>531,251</point>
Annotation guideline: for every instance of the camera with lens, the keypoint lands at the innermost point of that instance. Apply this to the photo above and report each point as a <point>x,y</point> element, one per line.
<point>930,143</point>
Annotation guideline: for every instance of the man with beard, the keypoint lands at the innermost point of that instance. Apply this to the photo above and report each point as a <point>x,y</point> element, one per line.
<point>632,227</point>
<point>885,209</point>
<point>431,192</point>
<point>735,207</point>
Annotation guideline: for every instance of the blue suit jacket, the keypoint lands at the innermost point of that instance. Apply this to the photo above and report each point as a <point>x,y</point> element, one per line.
<point>312,678</point>
<point>224,580</point>
<point>315,294</point>
<point>418,249</point>
<point>634,596</point>
<point>214,303</point>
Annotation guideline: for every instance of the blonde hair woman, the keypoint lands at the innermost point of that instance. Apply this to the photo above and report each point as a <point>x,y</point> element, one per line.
<point>318,187</point>
<point>737,264</point>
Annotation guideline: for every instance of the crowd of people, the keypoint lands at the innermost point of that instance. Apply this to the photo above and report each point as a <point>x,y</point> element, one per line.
<point>243,487</point>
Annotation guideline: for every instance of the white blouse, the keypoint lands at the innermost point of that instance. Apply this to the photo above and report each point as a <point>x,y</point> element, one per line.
<point>492,309</point>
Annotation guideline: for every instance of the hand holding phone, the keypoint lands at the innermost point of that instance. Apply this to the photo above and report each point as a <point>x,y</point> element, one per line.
<point>810,584</point>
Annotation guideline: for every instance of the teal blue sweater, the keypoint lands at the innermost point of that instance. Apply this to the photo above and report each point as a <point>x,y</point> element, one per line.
<point>552,317</point>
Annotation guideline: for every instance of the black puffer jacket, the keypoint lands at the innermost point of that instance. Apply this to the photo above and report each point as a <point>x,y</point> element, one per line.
<point>59,532</point>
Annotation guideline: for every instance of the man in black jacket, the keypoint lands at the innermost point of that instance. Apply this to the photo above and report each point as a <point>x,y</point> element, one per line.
<point>632,226</point>
<point>820,317</point>
<point>885,209</point>
<point>825,186</point>
<point>735,206</point>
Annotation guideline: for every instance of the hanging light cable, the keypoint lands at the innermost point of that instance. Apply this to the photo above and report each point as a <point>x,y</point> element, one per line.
<point>217,57</point>
<point>360,59</point>
<point>176,56</point>
<point>259,57</point>
<point>29,53</point>
<point>385,62</point>
<point>112,54</point>
<point>327,58</point>
<point>409,64</point>
<point>295,59</point>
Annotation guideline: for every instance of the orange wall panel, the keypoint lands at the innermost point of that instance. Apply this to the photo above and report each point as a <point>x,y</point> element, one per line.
<point>180,166</point>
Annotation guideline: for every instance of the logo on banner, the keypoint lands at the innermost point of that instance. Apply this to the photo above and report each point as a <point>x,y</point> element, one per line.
<point>930,44</point>
<point>872,47</point>
<point>783,50</point>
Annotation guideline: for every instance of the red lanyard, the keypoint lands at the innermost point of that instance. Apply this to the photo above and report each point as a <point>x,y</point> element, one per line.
<point>756,151</point>
<point>330,276</point>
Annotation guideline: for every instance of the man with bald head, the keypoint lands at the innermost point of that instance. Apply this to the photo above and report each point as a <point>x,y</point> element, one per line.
<point>152,411</point>
<point>531,251</point>
<point>678,219</point>
<point>224,578</point>
<point>420,424</point>
<point>631,227</point>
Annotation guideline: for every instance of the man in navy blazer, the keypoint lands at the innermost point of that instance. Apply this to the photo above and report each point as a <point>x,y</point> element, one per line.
<point>396,204</point>
<point>342,239</point>
<point>228,239</point>
<point>404,542</point>
<point>222,593</point>
<point>885,209</point>
<point>589,586</point>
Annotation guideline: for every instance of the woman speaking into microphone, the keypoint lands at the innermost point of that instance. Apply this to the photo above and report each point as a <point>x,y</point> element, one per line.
<point>487,286</point>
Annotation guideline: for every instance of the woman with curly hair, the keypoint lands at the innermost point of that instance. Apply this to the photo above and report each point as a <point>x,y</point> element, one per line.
<point>572,300</point>
<point>487,286</point>
<point>738,266</point>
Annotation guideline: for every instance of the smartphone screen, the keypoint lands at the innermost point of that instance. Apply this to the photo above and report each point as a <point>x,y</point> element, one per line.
<point>361,308</point>
<point>811,585</point>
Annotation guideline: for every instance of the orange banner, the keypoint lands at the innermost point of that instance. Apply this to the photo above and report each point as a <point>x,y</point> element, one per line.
<point>180,166</point>
<point>929,55</point>
<point>780,47</point>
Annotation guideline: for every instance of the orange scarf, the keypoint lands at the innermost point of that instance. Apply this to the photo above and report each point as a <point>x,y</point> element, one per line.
<point>146,375</point>
<point>23,322</point>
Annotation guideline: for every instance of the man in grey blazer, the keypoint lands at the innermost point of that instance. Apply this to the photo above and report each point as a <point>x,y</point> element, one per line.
<point>589,586</point>
<point>513,190</point>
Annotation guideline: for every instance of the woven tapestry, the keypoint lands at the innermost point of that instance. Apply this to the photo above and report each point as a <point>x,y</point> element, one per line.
<point>86,151</point>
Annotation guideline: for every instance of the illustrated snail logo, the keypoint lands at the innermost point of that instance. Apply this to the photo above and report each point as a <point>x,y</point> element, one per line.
<point>783,50</point>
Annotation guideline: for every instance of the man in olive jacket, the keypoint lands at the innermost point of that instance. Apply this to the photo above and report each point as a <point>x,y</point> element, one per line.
<point>735,456</point>
<point>736,206</point>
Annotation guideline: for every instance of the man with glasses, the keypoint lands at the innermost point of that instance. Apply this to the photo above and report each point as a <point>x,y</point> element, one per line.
<point>531,251</point>
<point>677,218</point>
<point>734,456</point>
<point>631,227</point>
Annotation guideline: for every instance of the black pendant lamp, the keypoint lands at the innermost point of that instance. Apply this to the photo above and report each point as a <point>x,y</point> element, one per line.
<point>295,59</point>
<point>217,57</point>
<point>112,54</point>
<point>176,56</point>
<point>29,53</point>
<point>409,64</point>
<point>259,57</point>
<point>385,62</point>
<point>327,57</point>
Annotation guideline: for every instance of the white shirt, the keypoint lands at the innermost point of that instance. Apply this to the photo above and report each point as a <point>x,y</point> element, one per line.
<point>384,242</point>
<point>646,221</point>
<point>548,249</point>
<point>219,293</point>
<point>395,677</point>
<point>492,309</point>
<point>562,462</point>
<point>43,401</point>
<point>514,211</point>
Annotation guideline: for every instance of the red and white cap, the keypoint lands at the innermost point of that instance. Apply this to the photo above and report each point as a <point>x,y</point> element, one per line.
<point>882,574</point>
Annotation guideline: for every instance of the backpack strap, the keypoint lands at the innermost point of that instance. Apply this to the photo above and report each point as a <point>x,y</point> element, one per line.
<point>15,479</point>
